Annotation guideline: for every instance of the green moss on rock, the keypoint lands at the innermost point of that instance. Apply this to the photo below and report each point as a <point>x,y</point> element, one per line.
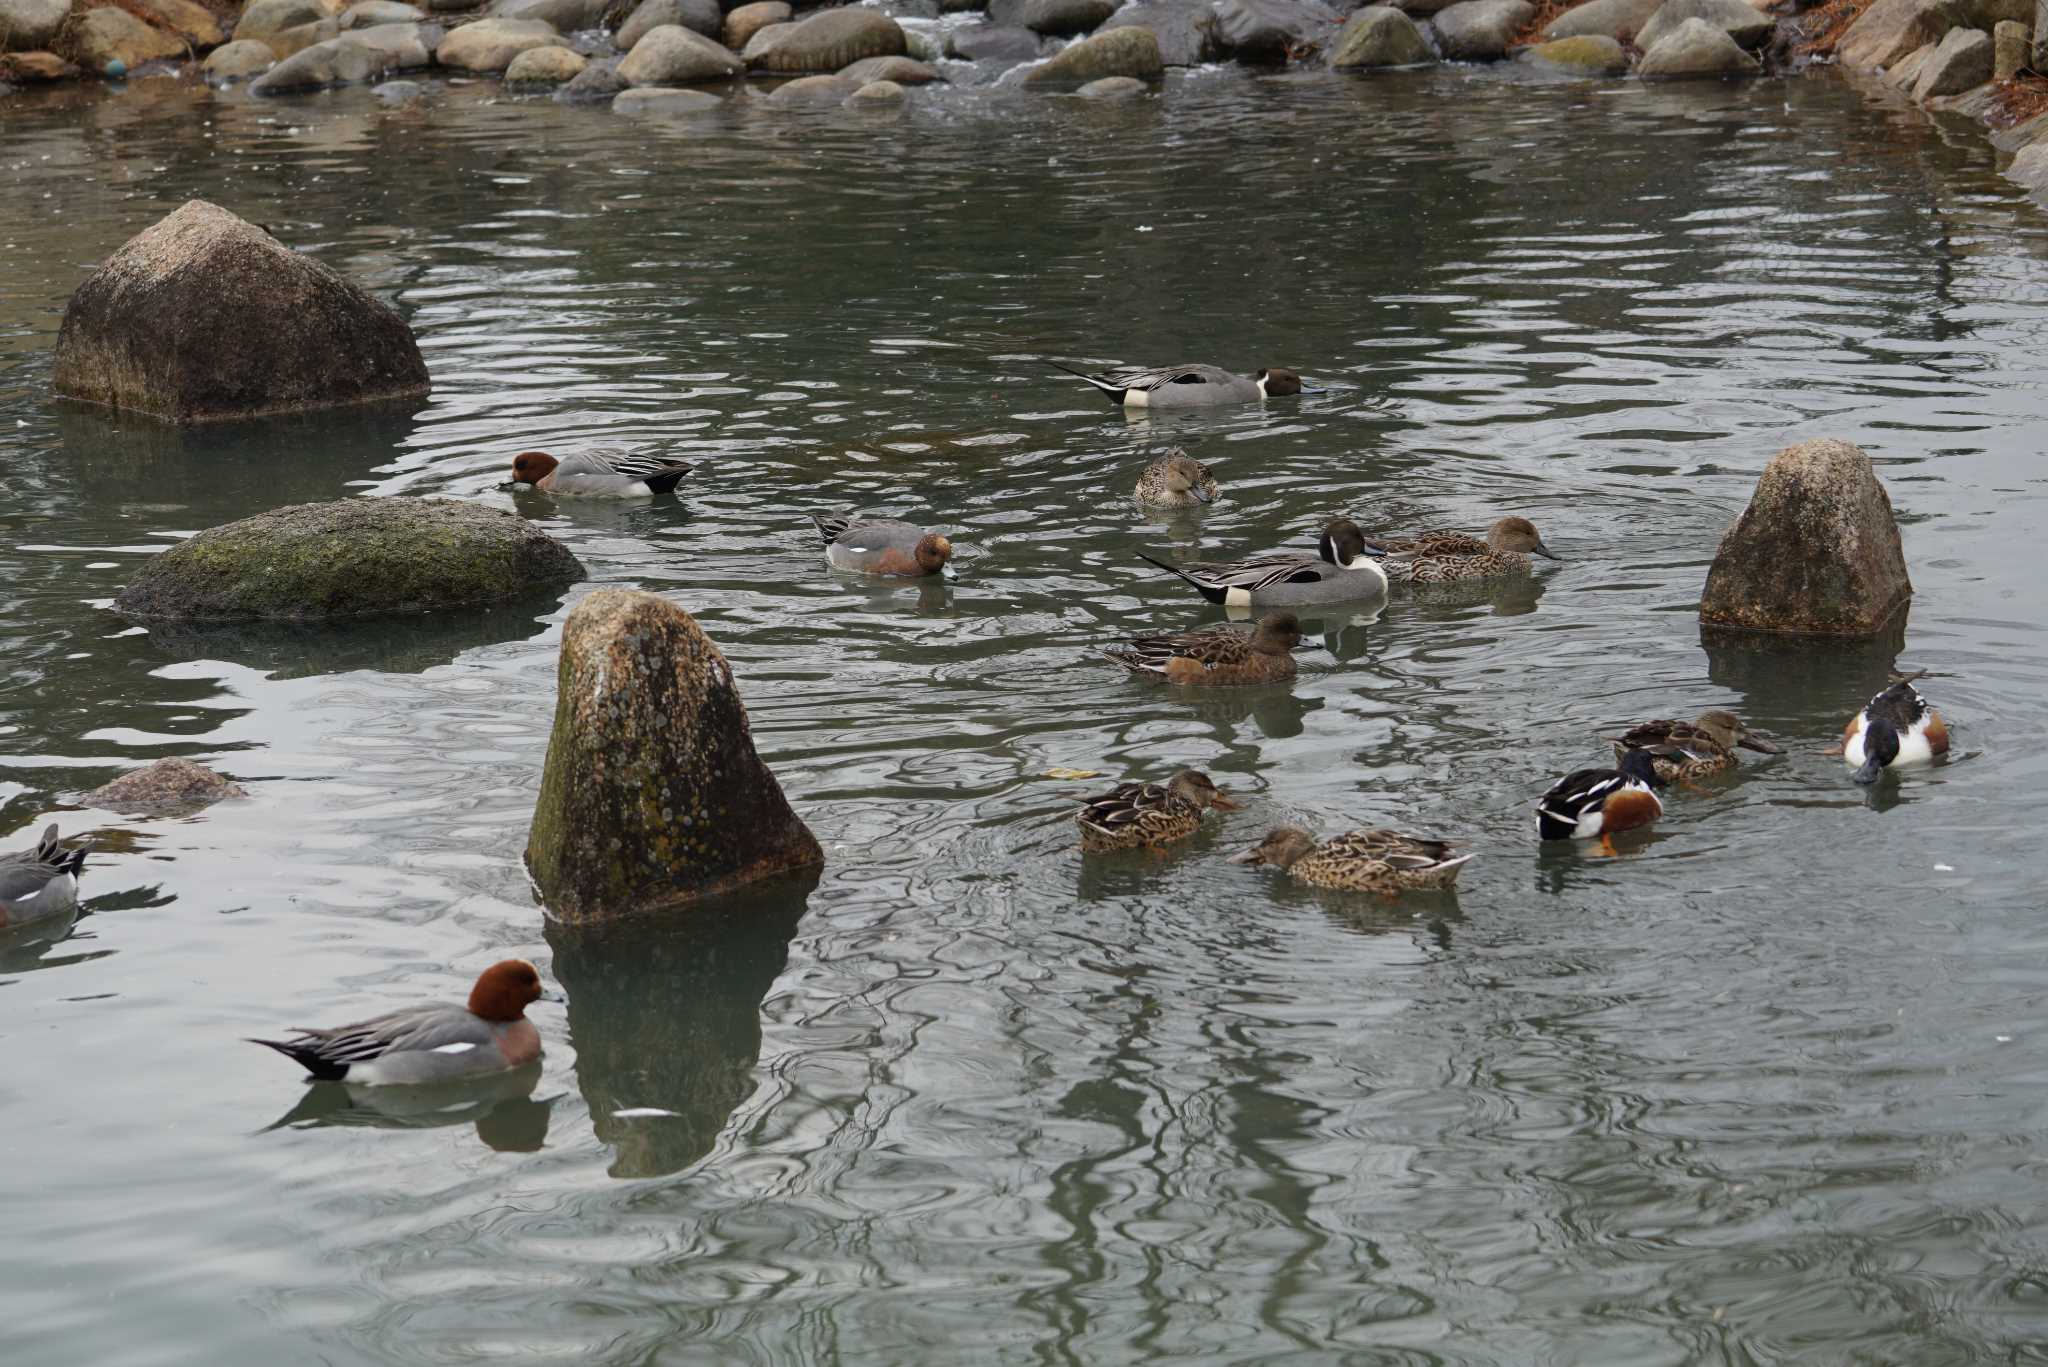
<point>352,558</point>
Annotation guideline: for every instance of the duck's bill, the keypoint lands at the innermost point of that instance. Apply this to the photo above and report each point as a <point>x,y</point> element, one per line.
<point>1202,495</point>
<point>1224,804</point>
<point>1760,745</point>
<point>948,572</point>
<point>1547,553</point>
<point>1870,773</point>
<point>1254,855</point>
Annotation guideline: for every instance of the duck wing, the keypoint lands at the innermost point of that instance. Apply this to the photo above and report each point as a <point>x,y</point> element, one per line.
<point>659,473</point>
<point>1395,850</point>
<point>1579,791</point>
<point>329,1053</point>
<point>1216,580</point>
<point>1149,654</point>
<point>1900,704</point>
<point>1124,805</point>
<point>831,528</point>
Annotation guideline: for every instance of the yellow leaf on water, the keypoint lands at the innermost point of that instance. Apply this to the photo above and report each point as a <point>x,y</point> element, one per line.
<point>1073,773</point>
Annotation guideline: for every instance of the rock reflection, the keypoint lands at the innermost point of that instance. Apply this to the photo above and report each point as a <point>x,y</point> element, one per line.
<point>397,644</point>
<point>1802,690</point>
<point>502,1107</point>
<point>666,1016</point>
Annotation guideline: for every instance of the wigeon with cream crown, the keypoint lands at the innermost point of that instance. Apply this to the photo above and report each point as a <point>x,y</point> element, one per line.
<point>439,1043</point>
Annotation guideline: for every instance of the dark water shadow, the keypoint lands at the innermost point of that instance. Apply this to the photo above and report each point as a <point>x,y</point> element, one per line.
<point>502,1107</point>
<point>394,644</point>
<point>666,1015</point>
<point>1802,689</point>
<point>1509,596</point>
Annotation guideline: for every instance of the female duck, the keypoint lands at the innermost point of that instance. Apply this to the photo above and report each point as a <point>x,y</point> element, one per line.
<point>1134,814</point>
<point>1216,657</point>
<point>1895,728</point>
<point>1692,749</point>
<point>1385,862</point>
<point>39,882</point>
<point>1446,557</point>
<point>1341,571</point>
<point>1176,480</point>
<point>882,546</point>
<point>431,1043</point>
<point>1601,803</point>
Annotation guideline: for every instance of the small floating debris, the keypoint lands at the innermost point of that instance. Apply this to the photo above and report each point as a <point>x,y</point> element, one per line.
<point>641,1113</point>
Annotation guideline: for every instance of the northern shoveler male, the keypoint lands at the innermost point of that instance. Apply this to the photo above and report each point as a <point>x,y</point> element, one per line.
<point>1150,814</point>
<point>1602,803</point>
<point>1897,727</point>
<point>1381,861</point>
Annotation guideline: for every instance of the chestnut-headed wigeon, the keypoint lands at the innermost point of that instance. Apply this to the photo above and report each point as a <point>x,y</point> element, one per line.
<point>599,474</point>
<point>882,546</point>
<point>438,1043</point>
<point>1190,386</point>
<point>39,882</point>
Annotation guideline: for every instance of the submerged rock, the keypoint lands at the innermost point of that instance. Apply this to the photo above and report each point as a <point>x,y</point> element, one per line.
<point>491,44</point>
<point>544,66</point>
<point>819,91</point>
<point>1113,88</point>
<point>239,60</point>
<point>1616,19</point>
<point>1188,31</point>
<point>664,101</point>
<point>1480,30</point>
<point>355,557</point>
<point>1746,25</point>
<point>825,42</point>
<point>597,83</point>
<point>674,55</point>
<point>1588,55</point>
<point>1379,35</point>
<point>203,317</point>
<point>169,787</point>
<point>1132,52</point>
<point>1816,553</point>
<point>896,70</point>
<point>1696,48</point>
<point>96,39</point>
<point>877,94</point>
<point>1962,62</point>
<point>652,796</point>
<point>744,22</point>
<point>1890,29</point>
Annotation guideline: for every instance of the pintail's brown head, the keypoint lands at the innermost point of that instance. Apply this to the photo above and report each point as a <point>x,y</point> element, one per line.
<point>1277,382</point>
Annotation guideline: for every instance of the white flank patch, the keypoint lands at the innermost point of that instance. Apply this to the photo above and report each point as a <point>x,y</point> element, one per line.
<point>453,1048</point>
<point>1137,398</point>
<point>1237,598</point>
<point>1914,748</point>
<point>641,1113</point>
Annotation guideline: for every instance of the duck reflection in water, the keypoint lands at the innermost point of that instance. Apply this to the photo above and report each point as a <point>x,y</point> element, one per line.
<point>666,1018</point>
<point>501,1106</point>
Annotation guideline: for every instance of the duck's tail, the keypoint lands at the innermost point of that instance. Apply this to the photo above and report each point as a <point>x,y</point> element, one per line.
<point>664,480</point>
<point>830,528</point>
<point>1214,593</point>
<point>306,1054</point>
<point>1114,392</point>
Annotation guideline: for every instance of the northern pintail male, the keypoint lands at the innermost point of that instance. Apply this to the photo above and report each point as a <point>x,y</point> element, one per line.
<point>39,882</point>
<point>1190,386</point>
<point>437,1043</point>
<point>1341,571</point>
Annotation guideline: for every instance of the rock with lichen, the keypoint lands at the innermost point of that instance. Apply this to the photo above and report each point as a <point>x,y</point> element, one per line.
<point>653,796</point>
<point>169,787</point>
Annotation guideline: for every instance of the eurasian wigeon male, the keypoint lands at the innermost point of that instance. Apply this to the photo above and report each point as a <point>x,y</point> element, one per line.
<point>440,1043</point>
<point>879,545</point>
<point>39,882</point>
<point>599,474</point>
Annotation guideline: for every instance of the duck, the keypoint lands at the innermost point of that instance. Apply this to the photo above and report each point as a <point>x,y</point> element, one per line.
<point>1381,861</point>
<point>1176,480</point>
<point>599,474</point>
<point>437,1043</point>
<point>882,546</point>
<point>1190,386</point>
<point>1149,814</point>
<point>1691,749</point>
<point>1445,557</point>
<point>1589,803</point>
<point>1341,571</point>
<point>1895,728</point>
<point>39,882</point>
<point>1216,657</point>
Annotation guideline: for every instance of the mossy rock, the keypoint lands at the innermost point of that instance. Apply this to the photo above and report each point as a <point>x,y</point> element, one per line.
<point>353,558</point>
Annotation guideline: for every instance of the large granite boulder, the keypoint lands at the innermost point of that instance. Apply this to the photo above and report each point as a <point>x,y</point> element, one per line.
<point>564,16</point>
<point>742,23</point>
<point>239,60</point>
<point>181,19</point>
<point>95,39</point>
<point>1617,19</point>
<point>1816,553</point>
<point>987,43</point>
<point>825,42</point>
<point>1188,31</point>
<point>1962,62</point>
<point>264,18</point>
<point>1052,18</point>
<point>1890,29</point>
<point>491,44</point>
<point>31,25</point>
<point>169,787</point>
<point>698,16</point>
<point>1748,26</point>
<point>1589,54</point>
<point>1696,48</point>
<point>1480,30</point>
<point>354,58</point>
<point>1270,31</point>
<point>356,557</point>
<point>674,55</point>
<point>1130,52</point>
<point>545,66</point>
<point>202,317</point>
<point>652,796</point>
<point>1379,35</point>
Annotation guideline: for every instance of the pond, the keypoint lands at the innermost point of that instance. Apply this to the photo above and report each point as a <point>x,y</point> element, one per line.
<point>1759,1090</point>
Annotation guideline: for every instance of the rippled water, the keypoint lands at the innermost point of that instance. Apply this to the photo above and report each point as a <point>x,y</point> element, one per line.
<point>1763,1090</point>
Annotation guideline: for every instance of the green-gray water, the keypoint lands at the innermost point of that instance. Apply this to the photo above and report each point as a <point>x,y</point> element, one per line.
<point>1761,1091</point>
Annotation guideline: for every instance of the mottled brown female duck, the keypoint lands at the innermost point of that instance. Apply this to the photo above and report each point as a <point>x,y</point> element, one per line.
<point>1131,815</point>
<point>1176,480</point>
<point>1381,861</point>
<point>1692,749</point>
<point>1216,657</point>
<point>1446,557</point>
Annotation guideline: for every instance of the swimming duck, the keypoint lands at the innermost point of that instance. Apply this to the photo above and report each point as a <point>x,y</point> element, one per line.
<point>1894,728</point>
<point>1692,749</point>
<point>1176,480</point>
<point>39,882</point>
<point>1443,557</point>
<point>599,474</point>
<point>438,1043</point>
<point>1340,572</point>
<point>1190,386</point>
<point>1602,802</point>
<point>882,546</point>
<point>1381,861</point>
<point>1134,814</point>
<point>1217,656</point>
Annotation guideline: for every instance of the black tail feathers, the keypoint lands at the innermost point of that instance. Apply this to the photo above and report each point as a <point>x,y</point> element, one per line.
<point>305,1054</point>
<point>1208,591</point>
